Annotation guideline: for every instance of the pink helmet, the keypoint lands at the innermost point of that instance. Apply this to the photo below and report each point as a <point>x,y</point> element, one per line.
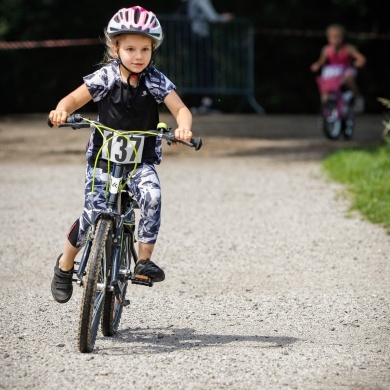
<point>136,20</point>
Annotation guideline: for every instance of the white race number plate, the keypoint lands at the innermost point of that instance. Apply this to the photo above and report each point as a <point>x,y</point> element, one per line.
<point>123,149</point>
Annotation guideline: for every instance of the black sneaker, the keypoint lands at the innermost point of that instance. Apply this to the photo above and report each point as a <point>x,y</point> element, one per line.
<point>148,268</point>
<point>61,285</point>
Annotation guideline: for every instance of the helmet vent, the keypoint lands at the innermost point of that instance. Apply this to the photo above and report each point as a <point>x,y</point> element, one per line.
<point>137,15</point>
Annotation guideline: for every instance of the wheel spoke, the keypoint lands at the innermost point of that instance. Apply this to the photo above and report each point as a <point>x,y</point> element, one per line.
<point>97,311</point>
<point>112,311</point>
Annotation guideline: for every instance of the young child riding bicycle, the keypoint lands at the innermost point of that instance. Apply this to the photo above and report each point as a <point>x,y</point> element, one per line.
<point>340,53</point>
<point>128,90</point>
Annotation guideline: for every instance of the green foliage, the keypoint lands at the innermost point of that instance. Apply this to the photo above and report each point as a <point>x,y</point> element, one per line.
<point>366,175</point>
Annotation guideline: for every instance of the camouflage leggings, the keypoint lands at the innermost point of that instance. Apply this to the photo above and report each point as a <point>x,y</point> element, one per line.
<point>145,187</point>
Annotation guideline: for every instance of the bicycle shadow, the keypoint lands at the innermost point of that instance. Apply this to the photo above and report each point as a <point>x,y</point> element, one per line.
<point>163,340</point>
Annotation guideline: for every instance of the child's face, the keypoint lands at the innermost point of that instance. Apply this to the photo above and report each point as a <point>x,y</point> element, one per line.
<point>135,51</point>
<point>335,36</point>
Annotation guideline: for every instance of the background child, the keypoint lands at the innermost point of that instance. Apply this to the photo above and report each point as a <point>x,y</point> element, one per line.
<point>338,52</point>
<point>128,90</point>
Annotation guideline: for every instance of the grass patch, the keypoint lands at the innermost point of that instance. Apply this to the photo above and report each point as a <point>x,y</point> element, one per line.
<point>366,175</point>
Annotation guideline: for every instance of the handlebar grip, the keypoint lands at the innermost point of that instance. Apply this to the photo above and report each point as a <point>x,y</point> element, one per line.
<point>49,122</point>
<point>196,142</point>
<point>74,118</point>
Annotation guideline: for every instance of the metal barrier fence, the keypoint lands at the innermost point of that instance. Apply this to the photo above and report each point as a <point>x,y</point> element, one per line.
<point>221,63</point>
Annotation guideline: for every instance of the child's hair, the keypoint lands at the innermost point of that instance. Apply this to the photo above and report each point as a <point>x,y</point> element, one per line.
<point>109,43</point>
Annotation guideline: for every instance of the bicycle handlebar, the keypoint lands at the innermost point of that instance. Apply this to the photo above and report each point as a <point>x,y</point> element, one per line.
<point>76,121</point>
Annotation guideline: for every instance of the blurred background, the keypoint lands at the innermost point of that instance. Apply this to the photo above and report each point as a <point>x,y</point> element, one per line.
<point>287,37</point>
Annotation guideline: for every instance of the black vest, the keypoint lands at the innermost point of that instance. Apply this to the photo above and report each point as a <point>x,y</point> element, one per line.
<point>125,108</point>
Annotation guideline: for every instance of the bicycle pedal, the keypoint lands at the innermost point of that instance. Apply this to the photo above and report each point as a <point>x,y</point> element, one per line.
<point>142,280</point>
<point>141,277</point>
<point>125,303</point>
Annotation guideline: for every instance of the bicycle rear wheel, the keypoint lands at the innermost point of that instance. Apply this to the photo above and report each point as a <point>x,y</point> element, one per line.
<point>112,311</point>
<point>95,287</point>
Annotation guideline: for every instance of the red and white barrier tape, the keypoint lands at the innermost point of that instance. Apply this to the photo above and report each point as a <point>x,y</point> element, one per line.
<point>16,45</point>
<point>47,44</point>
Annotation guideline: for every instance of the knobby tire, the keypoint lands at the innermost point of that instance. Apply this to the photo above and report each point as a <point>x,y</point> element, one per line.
<point>97,272</point>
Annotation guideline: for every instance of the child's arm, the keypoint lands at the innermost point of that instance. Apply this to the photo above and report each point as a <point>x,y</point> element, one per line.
<point>70,103</point>
<point>358,58</point>
<point>182,115</point>
<point>316,66</point>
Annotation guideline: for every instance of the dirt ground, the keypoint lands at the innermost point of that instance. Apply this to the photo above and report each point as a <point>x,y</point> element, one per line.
<point>271,282</point>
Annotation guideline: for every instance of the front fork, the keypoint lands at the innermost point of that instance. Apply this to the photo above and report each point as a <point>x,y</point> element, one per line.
<point>116,261</point>
<point>115,266</point>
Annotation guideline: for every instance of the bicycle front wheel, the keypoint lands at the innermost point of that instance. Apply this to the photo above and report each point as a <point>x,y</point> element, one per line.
<point>114,302</point>
<point>332,123</point>
<point>95,287</point>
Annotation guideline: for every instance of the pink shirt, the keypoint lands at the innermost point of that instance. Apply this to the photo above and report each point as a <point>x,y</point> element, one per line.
<point>339,57</point>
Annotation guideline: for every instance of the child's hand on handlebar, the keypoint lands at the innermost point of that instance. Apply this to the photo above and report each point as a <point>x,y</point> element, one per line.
<point>58,116</point>
<point>183,134</point>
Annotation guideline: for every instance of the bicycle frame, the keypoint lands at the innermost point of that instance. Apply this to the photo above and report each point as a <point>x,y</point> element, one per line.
<point>337,110</point>
<point>112,211</point>
<point>118,214</point>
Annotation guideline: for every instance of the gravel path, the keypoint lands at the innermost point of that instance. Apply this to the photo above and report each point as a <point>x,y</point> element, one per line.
<point>271,282</point>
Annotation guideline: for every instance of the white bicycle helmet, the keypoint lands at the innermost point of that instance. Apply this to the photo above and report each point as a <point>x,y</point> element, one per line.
<point>136,20</point>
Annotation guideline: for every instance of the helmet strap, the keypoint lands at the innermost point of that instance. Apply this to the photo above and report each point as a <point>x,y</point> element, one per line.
<point>132,93</point>
<point>131,74</point>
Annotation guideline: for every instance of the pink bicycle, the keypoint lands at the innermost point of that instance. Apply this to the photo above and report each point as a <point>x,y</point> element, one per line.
<point>338,117</point>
